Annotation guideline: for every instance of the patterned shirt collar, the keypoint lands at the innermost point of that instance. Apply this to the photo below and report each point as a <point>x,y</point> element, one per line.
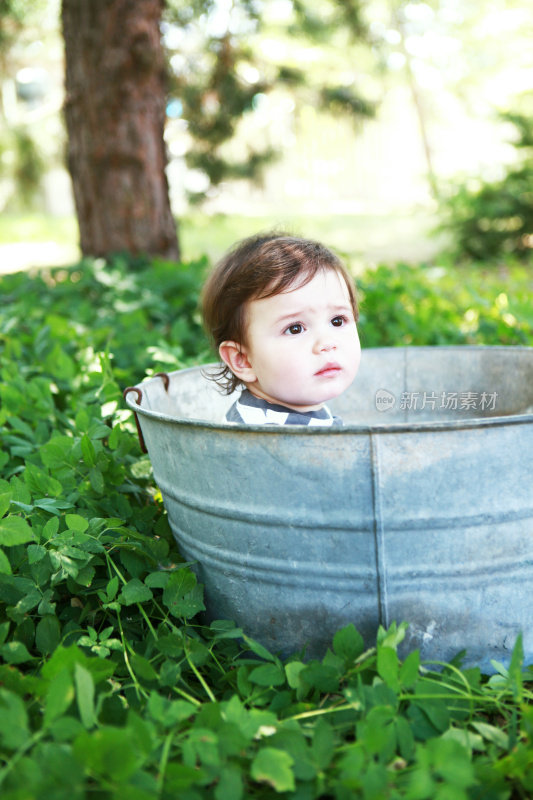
<point>252,410</point>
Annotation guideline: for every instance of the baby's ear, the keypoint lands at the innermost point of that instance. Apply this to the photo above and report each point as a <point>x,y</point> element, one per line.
<point>234,356</point>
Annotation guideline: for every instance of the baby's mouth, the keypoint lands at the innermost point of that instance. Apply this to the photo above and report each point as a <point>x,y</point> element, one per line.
<point>329,369</point>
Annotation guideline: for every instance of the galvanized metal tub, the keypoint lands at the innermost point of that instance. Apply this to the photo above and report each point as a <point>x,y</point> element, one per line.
<point>420,508</point>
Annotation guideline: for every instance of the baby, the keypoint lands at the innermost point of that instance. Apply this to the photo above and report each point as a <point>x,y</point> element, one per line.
<point>282,313</point>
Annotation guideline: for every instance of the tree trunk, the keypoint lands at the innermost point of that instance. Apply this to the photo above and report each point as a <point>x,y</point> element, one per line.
<point>115,115</point>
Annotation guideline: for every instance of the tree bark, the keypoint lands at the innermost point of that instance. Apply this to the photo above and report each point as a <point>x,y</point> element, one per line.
<point>115,116</point>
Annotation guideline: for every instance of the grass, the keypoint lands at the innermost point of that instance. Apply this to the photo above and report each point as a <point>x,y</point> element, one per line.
<point>21,228</point>
<point>361,240</point>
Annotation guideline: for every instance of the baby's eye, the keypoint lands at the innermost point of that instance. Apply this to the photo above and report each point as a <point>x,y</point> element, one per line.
<point>293,329</point>
<point>338,321</point>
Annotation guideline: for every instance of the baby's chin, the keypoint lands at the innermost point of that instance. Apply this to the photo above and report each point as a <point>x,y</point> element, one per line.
<point>307,403</point>
<point>312,400</point>
<point>295,404</point>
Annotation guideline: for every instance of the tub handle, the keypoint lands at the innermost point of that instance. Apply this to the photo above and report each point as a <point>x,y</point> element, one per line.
<point>164,377</point>
<point>166,381</point>
<point>139,401</point>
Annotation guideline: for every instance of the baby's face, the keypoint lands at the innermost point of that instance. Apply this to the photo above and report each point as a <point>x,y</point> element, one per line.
<point>302,345</point>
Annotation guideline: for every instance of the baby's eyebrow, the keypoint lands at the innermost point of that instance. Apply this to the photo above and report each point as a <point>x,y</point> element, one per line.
<point>335,309</point>
<point>291,315</point>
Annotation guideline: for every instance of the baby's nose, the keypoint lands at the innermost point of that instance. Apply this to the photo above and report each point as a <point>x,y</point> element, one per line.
<point>324,344</point>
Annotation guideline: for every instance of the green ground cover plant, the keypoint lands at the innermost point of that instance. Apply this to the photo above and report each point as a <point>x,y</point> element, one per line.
<point>111,686</point>
<point>444,305</point>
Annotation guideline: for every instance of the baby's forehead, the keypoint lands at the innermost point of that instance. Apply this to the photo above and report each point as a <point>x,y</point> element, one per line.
<point>313,280</point>
<point>324,290</point>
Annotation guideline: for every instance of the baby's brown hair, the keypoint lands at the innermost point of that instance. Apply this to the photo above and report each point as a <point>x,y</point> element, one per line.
<point>260,266</point>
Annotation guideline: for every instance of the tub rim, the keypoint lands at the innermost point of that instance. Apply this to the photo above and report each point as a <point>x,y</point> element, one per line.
<point>337,430</point>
